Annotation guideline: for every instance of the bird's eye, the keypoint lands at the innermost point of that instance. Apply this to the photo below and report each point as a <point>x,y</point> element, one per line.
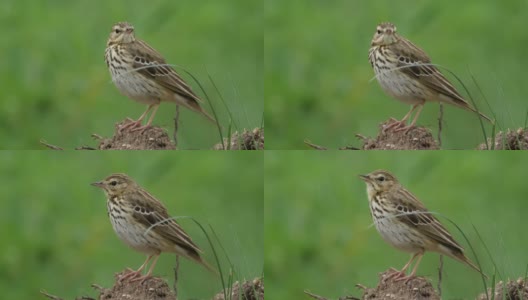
<point>113,183</point>
<point>379,31</point>
<point>117,31</point>
<point>381,179</point>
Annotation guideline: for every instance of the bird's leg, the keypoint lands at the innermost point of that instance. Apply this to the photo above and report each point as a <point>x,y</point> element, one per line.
<point>397,123</point>
<point>412,275</point>
<point>398,274</point>
<point>407,128</point>
<point>135,123</point>
<point>143,128</point>
<point>149,273</point>
<point>136,273</point>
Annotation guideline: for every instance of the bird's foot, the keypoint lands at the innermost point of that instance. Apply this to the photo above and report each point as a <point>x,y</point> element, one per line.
<point>394,274</point>
<point>141,129</point>
<point>394,124</point>
<point>405,129</point>
<point>131,274</point>
<point>131,124</point>
<point>397,275</point>
<point>404,278</point>
<point>141,279</point>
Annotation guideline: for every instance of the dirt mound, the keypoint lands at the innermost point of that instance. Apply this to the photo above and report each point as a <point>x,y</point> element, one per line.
<point>417,138</point>
<point>247,140</point>
<point>155,288</point>
<point>153,138</point>
<point>509,140</point>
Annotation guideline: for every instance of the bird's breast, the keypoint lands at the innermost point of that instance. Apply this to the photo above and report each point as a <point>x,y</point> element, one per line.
<point>392,229</point>
<point>130,231</point>
<point>129,82</point>
<point>393,80</point>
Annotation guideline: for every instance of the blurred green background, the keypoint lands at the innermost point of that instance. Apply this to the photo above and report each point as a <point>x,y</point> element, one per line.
<point>318,78</point>
<point>319,234</point>
<point>55,84</point>
<point>56,234</point>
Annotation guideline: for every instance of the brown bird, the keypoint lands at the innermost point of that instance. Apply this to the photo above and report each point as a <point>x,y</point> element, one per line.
<point>405,72</point>
<point>143,223</point>
<point>142,74</point>
<point>405,223</point>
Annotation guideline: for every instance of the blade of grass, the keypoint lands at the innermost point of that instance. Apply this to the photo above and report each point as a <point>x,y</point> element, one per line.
<point>231,119</point>
<point>460,230</point>
<point>488,252</point>
<point>477,261</point>
<point>472,102</point>
<point>229,133</point>
<point>194,78</point>
<point>213,248</point>
<point>456,77</point>
<point>525,278</point>
<point>214,253</point>
<point>218,126</point>
<point>489,106</point>
<point>238,102</point>
<point>223,100</point>
<point>231,266</point>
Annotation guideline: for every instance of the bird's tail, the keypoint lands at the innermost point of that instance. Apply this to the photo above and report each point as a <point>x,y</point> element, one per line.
<point>463,104</point>
<point>193,105</point>
<point>208,116</point>
<point>195,256</point>
<point>483,116</point>
<point>462,258</point>
<point>210,268</point>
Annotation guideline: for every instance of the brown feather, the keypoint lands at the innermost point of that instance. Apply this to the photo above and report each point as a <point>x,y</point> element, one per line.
<point>416,215</point>
<point>407,209</point>
<point>151,212</point>
<point>416,64</point>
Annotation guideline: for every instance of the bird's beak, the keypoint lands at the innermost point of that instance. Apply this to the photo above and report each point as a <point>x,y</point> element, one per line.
<point>365,178</point>
<point>97,184</point>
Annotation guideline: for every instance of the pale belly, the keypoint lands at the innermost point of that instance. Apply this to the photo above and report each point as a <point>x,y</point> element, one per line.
<point>399,237</point>
<point>136,87</point>
<point>401,87</point>
<point>134,237</point>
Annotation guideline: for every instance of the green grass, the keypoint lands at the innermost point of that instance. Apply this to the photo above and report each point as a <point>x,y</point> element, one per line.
<point>318,79</point>
<point>319,234</point>
<point>56,85</point>
<point>56,234</point>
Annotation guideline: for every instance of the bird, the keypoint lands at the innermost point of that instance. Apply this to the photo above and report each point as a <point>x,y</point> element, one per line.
<point>142,74</point>
<point>405,72</point>
<point>142,222</point>
<point>406,224</point>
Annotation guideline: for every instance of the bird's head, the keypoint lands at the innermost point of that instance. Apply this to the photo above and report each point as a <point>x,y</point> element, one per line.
<point>379,181</point>
<point>115,184</point>
<point>122,33</point>
<point>385,35</point>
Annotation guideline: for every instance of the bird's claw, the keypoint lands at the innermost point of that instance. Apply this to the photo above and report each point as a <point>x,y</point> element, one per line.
<point>131,124</point>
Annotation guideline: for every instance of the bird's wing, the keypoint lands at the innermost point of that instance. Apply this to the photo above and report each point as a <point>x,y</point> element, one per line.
<point>415,214</point>
<point>152,212</point>
<point>149,63</point>
<point>416,64</point>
